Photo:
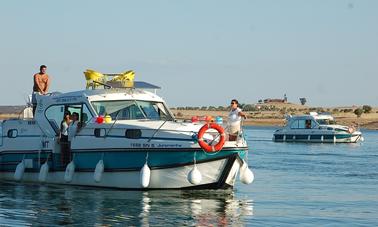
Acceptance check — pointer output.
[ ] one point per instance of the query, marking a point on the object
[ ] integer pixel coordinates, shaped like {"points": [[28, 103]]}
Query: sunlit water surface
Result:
{"points": [[295, 184]]}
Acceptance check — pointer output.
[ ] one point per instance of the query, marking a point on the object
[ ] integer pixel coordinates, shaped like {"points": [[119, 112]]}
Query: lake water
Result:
{"points": [[295, 184]]}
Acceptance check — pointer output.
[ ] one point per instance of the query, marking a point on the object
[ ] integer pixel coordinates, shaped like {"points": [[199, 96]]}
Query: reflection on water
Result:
{"points": [[33, 204], [310, 184]]}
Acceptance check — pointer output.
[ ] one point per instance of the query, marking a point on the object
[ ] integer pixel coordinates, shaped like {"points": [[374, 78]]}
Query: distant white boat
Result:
{"points": [[316, 128]]}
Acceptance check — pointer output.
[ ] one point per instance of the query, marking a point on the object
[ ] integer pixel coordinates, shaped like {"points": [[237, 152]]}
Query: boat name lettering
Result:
{"points": [[68, 99], [45, 144], [148, 145], [31, 122]]}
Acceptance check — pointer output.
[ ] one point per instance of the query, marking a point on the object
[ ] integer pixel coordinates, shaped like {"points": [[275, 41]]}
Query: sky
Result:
{"points": [[201, 52]]}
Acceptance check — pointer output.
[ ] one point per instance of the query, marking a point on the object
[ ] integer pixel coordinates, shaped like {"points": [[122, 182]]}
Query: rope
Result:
{"points": [[210, 153], [147, 157]]}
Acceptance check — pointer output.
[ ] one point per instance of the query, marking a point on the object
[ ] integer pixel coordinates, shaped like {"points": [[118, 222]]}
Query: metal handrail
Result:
{"points": [[111, 127], [149, 140]]}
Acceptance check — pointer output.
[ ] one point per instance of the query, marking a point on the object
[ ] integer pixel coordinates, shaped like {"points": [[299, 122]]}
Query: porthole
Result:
{"points": [[99, 132], [133, 133], [12, 133]]}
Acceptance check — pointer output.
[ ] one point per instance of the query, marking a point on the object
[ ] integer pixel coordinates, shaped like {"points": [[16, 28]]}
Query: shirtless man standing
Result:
{"points": [[41, 81], [41, 84]]}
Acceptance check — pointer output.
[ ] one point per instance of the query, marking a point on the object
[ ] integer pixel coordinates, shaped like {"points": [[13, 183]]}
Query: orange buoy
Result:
{"points": [[207, 147]]}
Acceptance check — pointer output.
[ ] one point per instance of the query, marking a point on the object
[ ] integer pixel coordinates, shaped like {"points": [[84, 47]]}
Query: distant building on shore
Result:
{"points": [[269, 100]]}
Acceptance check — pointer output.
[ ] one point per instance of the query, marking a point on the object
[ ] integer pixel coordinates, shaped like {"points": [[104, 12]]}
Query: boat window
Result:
{"points": [[294, 124], [154, 110], [302, 124], [55, 114], [298, 124], [325, 122], [83, 111], [131, 109], [308, 124], [314, 124]]}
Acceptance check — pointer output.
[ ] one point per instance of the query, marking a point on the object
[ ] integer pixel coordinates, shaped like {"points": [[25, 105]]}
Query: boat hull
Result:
{"points": [[218, 172], [318, 138]]}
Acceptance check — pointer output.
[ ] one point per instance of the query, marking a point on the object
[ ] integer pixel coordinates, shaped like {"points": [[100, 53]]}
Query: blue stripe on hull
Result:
{"points": [[146, 138], [115, 159], [313, 138], [344, 136], [316, 137], [301, 137]]}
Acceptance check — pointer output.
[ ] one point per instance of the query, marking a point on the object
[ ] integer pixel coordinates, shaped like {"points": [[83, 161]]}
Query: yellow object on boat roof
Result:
{"points": [[92, 76], [126, 79]]}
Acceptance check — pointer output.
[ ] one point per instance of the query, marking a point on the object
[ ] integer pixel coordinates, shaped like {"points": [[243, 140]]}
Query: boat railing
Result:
{"points": [[189, 135], [192, 134], [156, 131]]}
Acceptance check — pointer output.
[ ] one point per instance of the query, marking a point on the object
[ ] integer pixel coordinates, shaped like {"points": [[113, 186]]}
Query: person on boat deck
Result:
{"points": [[72, 128], [41, 85], [64, 125], [83, 122], [308, 124], [234, 120]]}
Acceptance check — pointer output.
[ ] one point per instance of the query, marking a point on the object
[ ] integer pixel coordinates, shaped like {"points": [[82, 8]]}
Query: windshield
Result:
{"points": [[132, 109], [325, 122]]}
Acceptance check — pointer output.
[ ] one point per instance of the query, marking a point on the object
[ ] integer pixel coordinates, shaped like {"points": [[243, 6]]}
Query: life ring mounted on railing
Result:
{"points": [[207, 147]]}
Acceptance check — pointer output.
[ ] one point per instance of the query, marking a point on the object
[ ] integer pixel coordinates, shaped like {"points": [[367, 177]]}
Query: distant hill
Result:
{"points": [[11, 109]]}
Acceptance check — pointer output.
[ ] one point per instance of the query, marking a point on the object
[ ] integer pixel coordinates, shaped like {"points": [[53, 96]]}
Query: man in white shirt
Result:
{"points": [[234, 120]]}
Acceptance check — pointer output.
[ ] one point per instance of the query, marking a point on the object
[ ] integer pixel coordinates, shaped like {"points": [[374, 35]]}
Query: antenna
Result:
{"points": [[28, 100]]}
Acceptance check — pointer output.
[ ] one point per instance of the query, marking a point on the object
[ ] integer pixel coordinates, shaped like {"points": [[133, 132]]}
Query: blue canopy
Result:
{"points": [[145, 85]]}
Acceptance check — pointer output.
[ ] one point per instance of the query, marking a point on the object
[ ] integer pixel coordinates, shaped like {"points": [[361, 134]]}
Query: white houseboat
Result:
{"points": [[316, 128], [128, 139]]}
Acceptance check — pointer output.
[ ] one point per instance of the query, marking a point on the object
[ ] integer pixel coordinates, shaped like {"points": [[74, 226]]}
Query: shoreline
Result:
{"points": [[366, 121], [261, 118]]}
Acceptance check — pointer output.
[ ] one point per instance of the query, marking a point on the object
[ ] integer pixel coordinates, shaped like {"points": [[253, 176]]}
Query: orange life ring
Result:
{"points": [[207, 147]]}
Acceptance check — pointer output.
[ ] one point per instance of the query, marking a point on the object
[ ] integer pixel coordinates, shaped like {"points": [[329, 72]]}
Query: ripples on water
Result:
{"points": [[305, 184], [58, 205]]}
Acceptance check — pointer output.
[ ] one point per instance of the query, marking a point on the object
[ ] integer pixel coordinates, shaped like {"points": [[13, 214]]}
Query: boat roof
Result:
{"points": [[323, 116], [314, 115], [145, 85], [102, 95]]}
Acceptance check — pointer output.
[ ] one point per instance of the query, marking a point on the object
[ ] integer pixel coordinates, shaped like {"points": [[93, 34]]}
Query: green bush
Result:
{"points": [[366, 108], [358, 112]]}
